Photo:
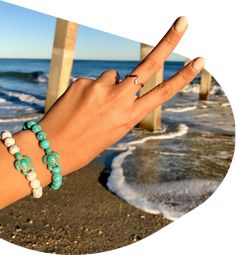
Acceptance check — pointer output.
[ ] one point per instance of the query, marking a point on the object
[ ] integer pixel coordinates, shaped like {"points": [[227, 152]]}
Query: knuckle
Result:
{"points": [[128, 120], [169, 39], [184, 77], [80, 82], [111, 72], [151, 64], [166, 91]]}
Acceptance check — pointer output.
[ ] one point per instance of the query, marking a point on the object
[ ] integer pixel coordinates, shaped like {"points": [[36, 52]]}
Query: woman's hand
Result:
{"points": [[94, 114]]}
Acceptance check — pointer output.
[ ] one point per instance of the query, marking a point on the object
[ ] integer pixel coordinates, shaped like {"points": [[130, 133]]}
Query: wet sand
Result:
{"points": [[83, 217]]}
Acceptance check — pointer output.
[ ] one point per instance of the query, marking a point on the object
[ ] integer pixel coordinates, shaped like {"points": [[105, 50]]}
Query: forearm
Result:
{"points": [[13, 184]]}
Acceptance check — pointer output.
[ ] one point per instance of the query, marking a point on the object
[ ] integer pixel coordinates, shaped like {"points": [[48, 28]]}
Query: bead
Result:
{"points": [[35, 184], [56, 178], [37, 192], [36, 128], [51, 159], [25, 173], [44, 144], [9, 141], [56, 170], [25, 164], [41, 135], [5, 134], [14, 149], [48, 150], [29, 124], [18, 155], [55, 186], [31, 176]]}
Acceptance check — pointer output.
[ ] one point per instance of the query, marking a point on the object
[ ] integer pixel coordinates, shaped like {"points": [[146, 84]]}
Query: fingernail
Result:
{"points": [[181, 24], [198, 63]]}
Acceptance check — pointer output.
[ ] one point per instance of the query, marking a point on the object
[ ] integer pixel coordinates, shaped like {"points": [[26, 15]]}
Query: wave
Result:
{"points": [[20, 119], [23, 97], [195, 88], [2, 100], [117, 183], [225, 104], [180, 109], [33, 76]]}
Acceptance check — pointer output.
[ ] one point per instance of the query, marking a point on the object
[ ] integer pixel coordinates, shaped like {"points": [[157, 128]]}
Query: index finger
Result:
{"points": [[153, 62]]}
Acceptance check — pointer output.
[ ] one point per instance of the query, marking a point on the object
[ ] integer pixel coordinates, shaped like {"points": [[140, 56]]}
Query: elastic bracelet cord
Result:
{"points": [[51, 157], [22, 163]]}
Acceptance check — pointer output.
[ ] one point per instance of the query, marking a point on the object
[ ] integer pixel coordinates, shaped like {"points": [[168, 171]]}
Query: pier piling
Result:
{"points": [[151, 121], [62, 60], [205, 85]]}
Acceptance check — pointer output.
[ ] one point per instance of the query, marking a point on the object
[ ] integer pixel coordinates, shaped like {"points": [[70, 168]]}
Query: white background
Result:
{"points": [[210, 228]]}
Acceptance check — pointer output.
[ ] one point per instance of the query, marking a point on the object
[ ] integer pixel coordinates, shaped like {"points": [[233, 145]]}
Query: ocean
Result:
{"points": [[171, 171]]}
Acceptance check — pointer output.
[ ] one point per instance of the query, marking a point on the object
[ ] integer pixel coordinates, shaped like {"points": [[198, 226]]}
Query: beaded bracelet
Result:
{"points": [[51, 157], [22, 163]]}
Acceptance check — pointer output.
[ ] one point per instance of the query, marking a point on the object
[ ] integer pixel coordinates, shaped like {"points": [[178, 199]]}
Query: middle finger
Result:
{"points": [[155, 59]]}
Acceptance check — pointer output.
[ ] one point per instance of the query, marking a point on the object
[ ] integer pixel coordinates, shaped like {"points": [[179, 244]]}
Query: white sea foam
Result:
{"points": [[195, 88], [191, 88], [24, 97], [14, 107], [171, 199], [182, 130], [225, 104], [173, 153], [2, 100], [180, 109], [139, 197], [20, 119]]}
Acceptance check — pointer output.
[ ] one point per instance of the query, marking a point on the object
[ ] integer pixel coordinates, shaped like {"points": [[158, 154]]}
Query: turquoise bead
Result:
{"points": [[48, 150], [18, 155], [44, 144], [51, 160], [29, 124], [57, 178], [55, 187], [56, 170], [24, 173], [41, 135], [25, 164], [36, 128]]}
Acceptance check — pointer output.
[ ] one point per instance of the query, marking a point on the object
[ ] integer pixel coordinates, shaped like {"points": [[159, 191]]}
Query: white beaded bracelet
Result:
{"points": [[22, 163]]}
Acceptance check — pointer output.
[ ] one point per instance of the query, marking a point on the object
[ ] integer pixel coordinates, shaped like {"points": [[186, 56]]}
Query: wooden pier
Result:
{"points": [[61, 66]]}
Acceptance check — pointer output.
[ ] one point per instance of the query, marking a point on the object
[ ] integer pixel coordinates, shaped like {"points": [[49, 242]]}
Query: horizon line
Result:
{"points": [[83, 59]]}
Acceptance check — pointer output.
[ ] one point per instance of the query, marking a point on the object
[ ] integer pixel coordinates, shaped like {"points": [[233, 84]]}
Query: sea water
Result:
{"points": [[170, 171]]}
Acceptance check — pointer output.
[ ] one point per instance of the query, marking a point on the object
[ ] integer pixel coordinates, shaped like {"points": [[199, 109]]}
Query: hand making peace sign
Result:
{"points": [[94, 114]]}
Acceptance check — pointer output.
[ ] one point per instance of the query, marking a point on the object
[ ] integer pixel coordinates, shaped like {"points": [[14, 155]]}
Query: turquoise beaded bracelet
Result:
{"points": [[51, 157], [22, 163]]}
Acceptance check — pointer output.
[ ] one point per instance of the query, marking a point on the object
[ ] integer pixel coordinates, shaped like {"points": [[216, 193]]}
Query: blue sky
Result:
{"points": [[29, 34]]}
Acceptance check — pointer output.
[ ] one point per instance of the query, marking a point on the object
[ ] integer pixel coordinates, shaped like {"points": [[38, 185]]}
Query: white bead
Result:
{"points": [[31, 176], [5, 134], [9, 141], [35, 184], [14, 149], [38, 192]]}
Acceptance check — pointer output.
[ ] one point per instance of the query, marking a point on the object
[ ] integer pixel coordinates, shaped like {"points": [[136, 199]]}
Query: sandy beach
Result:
{"points": [[83, 217], [171, 172]]}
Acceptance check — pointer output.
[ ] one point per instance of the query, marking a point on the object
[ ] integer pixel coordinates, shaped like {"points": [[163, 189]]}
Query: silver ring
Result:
{"points": [[136, 81]]}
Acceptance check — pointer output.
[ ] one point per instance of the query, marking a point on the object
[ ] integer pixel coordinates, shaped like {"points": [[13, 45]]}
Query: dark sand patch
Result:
{"points": [[83, 217]]}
